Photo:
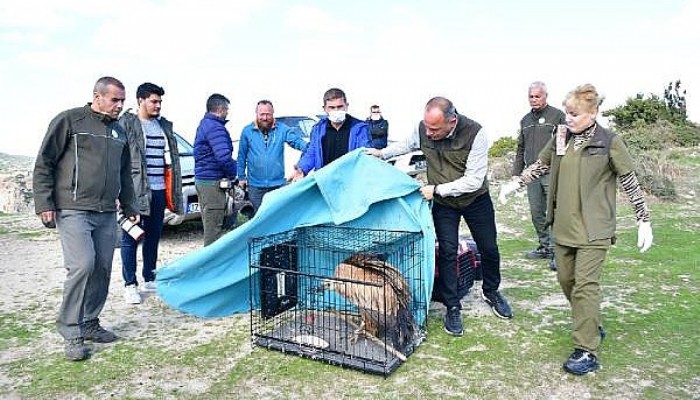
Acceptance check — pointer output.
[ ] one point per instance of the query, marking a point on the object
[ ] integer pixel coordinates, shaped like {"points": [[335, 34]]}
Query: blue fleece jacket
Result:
{"points": [[313, 156], [213, 150], [261, 161]]}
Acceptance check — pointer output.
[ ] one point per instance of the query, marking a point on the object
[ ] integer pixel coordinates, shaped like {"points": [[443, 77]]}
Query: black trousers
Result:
{"points": [[481, 220]]}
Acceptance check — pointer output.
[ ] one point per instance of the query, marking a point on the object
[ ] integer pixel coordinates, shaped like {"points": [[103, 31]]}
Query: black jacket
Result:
{"points": [[83, 164], [536, 128]]}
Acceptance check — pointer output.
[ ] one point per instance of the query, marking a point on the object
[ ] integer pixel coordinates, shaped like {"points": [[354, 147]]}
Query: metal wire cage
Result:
{"points": [[353, 297]]}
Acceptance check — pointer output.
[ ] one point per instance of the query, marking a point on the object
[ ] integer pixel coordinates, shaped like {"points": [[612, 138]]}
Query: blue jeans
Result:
{"points": [[153, 226], [87, 240], [256, 194], [481, 220]]}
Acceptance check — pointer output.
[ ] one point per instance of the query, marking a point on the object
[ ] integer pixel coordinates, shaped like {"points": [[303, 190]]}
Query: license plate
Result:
{"points": [[193, 208]]}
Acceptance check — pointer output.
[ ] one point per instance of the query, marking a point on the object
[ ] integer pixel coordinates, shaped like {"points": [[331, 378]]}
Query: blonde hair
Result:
{"points": [[584, 97]]}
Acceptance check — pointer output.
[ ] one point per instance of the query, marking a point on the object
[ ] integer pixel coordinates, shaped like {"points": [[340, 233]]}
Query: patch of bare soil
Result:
{"points": [[31, 284]]}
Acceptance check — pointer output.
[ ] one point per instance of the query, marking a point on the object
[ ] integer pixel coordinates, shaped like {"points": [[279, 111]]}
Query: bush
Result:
{"points": [[502, 146], [656, 172], [660, 135], [687, 135]]}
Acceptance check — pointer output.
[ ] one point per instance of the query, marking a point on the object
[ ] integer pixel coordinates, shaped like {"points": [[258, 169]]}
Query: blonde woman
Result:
{"points": [[586, 161]]}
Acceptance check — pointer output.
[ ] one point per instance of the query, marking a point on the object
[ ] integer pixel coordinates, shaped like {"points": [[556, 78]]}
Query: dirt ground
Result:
{"points": [[31, 267]]}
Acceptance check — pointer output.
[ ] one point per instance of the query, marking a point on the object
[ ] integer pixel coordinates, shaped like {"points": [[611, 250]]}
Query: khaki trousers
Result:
{"points": [[578, 271], [212, 203]]}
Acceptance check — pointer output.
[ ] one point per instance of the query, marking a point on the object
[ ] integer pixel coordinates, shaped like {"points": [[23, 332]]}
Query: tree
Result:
{"points": [[640, 109], [675, 102], [648, 109]]}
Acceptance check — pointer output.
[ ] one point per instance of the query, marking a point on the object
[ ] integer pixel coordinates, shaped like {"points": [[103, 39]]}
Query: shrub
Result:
{"points": [[687, 135], [642, 136], [656, 172], [660, 135], [502, 146]]}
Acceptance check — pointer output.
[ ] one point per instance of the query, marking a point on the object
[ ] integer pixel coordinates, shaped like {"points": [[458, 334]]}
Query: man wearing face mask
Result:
{"points": [[378, 127], [456, 151], [334, 136]]}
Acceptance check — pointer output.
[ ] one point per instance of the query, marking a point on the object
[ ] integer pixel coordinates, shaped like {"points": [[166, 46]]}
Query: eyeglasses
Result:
{"points": [[376, 112]]}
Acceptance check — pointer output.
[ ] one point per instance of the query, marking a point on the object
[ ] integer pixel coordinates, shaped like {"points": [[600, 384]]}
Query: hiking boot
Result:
{"points": [[149, 287], [581, 362], [75, 349], [538, 253], [453, 321], [498, 304], [131, 294], [96, 333]]}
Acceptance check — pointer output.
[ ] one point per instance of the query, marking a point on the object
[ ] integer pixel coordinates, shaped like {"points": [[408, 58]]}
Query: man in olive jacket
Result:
{"points": [[82, 168], [536, 129], [151, 139]]}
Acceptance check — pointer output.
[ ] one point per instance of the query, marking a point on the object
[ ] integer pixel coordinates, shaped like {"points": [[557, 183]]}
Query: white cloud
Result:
{"points": [[310, 19]]}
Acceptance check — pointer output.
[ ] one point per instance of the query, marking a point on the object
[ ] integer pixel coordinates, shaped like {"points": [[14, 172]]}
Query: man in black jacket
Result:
{"points": [[378, 127], [82, 168], [536, 128]]}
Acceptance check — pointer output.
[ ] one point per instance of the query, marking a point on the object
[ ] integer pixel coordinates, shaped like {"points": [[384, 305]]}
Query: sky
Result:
{"points": [[481, 54]]}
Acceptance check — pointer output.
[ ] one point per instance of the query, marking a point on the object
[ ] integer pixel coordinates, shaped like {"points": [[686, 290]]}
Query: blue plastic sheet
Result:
{"points": [[356, 190]]}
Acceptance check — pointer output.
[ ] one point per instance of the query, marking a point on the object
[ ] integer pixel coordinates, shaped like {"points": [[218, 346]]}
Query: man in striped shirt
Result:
{"points": [[149, 136]]}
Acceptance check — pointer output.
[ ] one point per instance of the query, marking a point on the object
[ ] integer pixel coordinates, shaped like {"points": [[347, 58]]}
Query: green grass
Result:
{"points": [[16, 330], [650, 305]]}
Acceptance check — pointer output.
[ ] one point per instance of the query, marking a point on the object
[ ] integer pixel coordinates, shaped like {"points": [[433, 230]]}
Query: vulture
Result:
{"points": [[380, 293]]}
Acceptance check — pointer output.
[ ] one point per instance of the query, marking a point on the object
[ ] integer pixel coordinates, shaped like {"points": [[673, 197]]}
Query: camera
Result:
{"points": [[226, 184], [134, 230]]}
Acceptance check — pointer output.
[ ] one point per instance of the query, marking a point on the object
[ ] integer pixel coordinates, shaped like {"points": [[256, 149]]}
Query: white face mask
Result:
{"points": [[337, 116], [375, 117]]}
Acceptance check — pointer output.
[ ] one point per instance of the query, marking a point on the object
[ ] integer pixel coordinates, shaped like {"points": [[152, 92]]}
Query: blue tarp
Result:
{"points": [[356, 190]]}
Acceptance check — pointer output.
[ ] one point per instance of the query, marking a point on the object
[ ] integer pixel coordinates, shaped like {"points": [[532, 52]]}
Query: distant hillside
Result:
{"points": [[15, 183], [11, 163]]}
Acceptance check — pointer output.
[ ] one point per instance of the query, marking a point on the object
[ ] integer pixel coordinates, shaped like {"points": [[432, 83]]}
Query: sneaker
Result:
{"points": [[539, 252], [453, 321], [581, 362], [75, 349], [498, 304], [149, 287], [96, 333], [131, 294]]}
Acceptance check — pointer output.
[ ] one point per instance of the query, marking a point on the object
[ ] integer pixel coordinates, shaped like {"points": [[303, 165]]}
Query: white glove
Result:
{"points": [[507, 189], [644, 236]]}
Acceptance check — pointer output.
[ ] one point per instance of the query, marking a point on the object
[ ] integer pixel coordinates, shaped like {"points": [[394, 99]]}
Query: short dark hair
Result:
{"points": [[332, 94], [448, 109], [373, 107], [264, 102], [102, 83], [145, 90], [217, 101]]}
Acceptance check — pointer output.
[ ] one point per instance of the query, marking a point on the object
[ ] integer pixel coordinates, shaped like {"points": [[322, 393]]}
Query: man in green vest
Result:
{"points": [[456, 151]]}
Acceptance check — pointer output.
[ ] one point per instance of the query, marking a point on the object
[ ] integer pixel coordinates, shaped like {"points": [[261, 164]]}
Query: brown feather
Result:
{"points": [[378, 289]]}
